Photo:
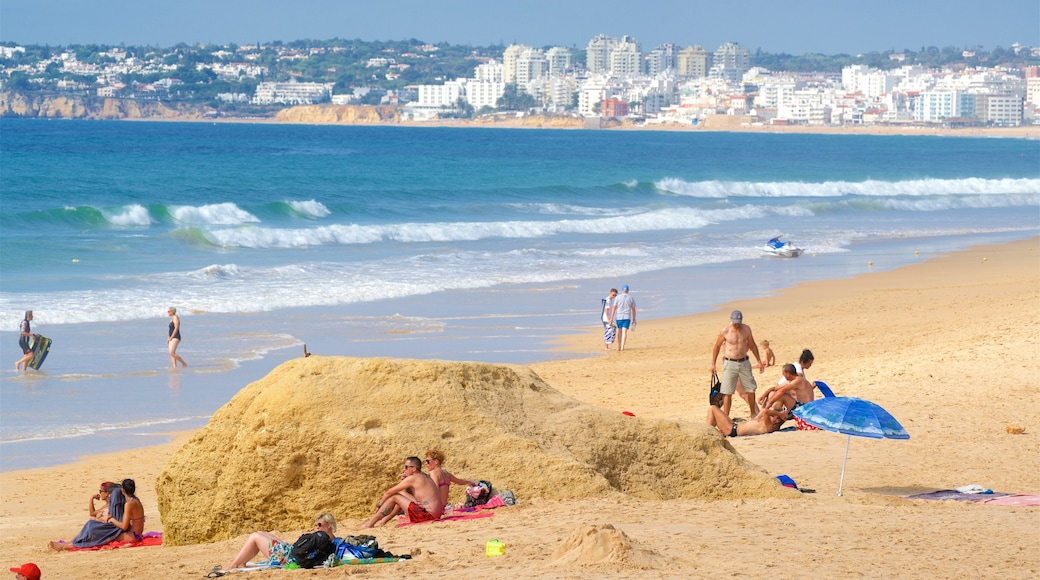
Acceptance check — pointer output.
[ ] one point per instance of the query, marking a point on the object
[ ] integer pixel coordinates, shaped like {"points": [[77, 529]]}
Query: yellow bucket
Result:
{"points": [[495, 548]]}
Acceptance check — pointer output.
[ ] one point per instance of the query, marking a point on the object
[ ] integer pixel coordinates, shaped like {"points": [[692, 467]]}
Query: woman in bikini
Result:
{"points": [[443, 479], [132, 523]]}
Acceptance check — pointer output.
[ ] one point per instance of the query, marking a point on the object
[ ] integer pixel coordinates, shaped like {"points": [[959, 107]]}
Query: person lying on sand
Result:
{"points": [[416, 494], [793, 393], [271, 547], [767, 421]]}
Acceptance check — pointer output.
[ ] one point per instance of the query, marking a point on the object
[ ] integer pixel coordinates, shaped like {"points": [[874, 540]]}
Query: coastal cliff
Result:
{"points": [[339, 115], [14, 104]]}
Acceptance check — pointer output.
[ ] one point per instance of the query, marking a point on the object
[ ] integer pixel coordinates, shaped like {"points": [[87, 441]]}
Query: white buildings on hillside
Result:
{"points": [[292, 93]]}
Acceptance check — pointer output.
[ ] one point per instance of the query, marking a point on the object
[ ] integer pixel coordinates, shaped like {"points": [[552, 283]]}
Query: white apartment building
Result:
{"points": [[626, 59], [592, 94], [731, 60], [530, 65], [1002, 110], [490, 71], [292, 93], [439, 96], [560, 60], [597, 54], [509, 58], [484, 93]]}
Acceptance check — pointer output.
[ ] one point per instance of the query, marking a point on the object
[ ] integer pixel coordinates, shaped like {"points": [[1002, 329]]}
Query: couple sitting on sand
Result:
{"points": [[777, 405], [422, 496], [121, 519]]}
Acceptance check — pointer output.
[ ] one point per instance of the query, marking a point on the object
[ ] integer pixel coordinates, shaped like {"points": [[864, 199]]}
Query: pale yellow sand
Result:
{"points": [[948, 346]]}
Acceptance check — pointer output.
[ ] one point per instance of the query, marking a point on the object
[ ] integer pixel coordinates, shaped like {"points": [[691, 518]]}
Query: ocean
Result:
{"points": [[446, 243]]}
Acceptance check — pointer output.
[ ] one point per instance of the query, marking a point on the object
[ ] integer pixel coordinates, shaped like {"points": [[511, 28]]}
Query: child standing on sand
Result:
{"points": [[767, 356]]}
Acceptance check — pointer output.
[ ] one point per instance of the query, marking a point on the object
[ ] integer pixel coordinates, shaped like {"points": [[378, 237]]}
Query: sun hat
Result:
{"points": [[29, 570]]}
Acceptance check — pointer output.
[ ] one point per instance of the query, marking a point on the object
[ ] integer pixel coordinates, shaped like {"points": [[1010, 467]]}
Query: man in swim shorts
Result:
{"points": [[416, 495], [25, 336], [738, 340], [793, 391], [766, 421], [623, 315]]}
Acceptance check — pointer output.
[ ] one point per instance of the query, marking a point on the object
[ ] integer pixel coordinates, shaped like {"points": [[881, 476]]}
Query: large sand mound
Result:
{"points": [[330, 433]]}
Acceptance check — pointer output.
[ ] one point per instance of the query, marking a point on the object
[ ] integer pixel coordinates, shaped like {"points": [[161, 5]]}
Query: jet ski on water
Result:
{"points": [[777, 247]]}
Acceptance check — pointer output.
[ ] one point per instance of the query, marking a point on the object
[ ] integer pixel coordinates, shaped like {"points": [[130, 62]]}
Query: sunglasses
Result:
{"points": [[428, 461]]}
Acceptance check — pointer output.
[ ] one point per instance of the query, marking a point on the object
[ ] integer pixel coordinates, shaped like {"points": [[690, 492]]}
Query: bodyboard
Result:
{"points": [[40, 347]]}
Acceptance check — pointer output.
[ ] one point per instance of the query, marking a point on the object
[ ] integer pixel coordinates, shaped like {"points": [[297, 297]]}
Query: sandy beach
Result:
{"points": [[946, 345]]}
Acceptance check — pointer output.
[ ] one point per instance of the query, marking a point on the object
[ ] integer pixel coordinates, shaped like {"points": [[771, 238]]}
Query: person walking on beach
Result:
{"points": [[25, 336], [623, 315], [608, 329], [737, 339], [175, 337]]}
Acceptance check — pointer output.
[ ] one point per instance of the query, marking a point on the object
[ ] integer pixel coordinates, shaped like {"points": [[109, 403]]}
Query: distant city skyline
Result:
{"points": [[795, 27]]}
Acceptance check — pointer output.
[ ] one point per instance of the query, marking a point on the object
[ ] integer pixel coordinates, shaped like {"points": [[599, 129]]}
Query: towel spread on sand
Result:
{"points": [[957, 495], [1017, 499], [453, 517], [149, 539]]}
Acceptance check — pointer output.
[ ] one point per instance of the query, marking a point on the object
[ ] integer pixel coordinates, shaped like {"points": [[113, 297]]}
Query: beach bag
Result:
{"points": [[311, 550], [608, 334], [478, 494], [715, 394]]}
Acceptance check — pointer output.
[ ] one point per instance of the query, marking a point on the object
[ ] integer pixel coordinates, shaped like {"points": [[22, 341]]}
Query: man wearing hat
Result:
{"points": [[27, 571], [623, 315], [738, 341]]}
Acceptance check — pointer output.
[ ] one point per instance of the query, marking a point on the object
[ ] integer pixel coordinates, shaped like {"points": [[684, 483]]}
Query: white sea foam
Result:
{"points": [[130, 215], [310, 208], [220, 214], [724, 189], [70, 431]]}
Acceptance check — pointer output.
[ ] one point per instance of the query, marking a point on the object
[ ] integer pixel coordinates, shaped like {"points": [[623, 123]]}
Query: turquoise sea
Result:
{"points": [[461, 244]]}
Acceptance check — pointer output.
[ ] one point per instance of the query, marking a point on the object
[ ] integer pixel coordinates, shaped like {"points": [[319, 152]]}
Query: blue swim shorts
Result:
{"points": [[623, 323]]}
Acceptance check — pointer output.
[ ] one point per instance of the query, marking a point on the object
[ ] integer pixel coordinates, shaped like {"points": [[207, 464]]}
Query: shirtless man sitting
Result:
{"points": [[416, 495], [793, 392], [767, 421]]}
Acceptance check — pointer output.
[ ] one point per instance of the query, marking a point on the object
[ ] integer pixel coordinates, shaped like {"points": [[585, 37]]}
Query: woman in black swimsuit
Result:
{"points": [[175, 337]]}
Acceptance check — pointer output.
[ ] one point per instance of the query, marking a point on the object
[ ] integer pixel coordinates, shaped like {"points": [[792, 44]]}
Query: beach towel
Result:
{"points": [[1016, 499], [453, 517], [362, 561], [148, 539], [95, 533], [953, 494]]}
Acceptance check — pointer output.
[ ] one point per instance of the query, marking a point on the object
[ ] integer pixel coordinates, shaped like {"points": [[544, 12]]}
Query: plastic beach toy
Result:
{"points": [[495, 548]]}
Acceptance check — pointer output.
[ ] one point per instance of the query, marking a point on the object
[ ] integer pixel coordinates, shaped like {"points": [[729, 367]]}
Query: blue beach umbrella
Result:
{"points": [[851, 416]]}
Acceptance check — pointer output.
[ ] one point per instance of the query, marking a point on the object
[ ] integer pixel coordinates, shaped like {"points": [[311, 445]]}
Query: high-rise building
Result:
{"points": [[530, 65], [732, 56], [693, 61], [597, 54], [509, 57], [661, 59], [559, 59], [626, 59]]}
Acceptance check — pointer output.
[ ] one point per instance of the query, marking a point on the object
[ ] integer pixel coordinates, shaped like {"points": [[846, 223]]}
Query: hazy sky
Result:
{"points": [[792, 26]]}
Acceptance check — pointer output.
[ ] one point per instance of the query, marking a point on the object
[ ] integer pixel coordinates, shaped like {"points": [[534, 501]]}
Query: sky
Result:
{"points": [[777, 26]]}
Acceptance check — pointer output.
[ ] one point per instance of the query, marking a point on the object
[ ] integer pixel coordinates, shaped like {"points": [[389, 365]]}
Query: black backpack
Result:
{"points": [[312, 549], [485, 495]]}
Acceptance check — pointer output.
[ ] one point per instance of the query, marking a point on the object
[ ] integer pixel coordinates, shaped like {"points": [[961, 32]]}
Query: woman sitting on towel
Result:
{"points": [[443, 479], [272, 548]]}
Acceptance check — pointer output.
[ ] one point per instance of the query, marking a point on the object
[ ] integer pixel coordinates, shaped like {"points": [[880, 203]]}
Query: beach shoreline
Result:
{"points": [[924, 340], [723, 123]]}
